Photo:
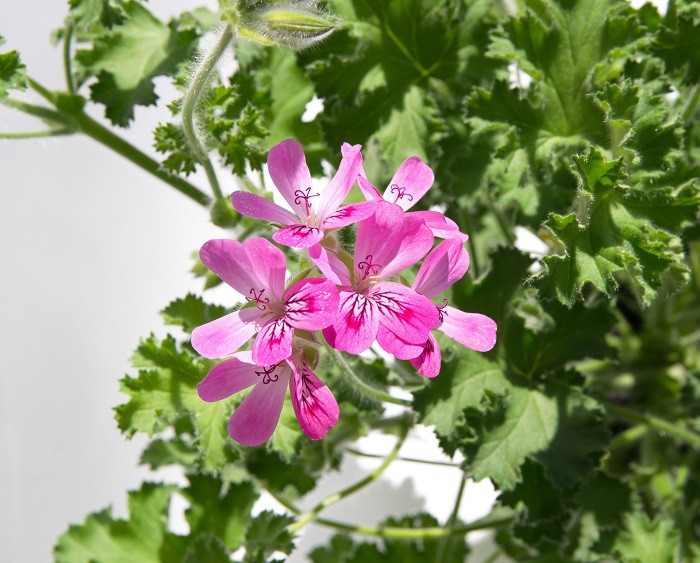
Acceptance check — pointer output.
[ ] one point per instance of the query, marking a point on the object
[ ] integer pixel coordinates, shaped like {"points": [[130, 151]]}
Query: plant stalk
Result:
{"points": [[654, 422]]}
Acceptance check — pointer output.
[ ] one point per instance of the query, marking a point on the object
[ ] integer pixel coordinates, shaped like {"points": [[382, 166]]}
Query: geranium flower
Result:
{"points": [[254, 421], [410, 183], [256, 269], [314, 212], [387, 243], [445, 265]]}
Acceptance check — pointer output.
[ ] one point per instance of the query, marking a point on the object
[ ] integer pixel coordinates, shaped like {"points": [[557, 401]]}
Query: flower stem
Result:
{"points": [[337, 497], [445, 542], [191, 100], [361, 385], [407, 459], [67, 68], [655, 422], [35, 134]]}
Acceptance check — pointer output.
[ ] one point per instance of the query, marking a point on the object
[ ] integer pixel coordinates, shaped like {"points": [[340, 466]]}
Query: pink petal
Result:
{"points": [[349, 214], [472, 330], [229, 261], [268, 263], [315, 406], [298, 236], [356, 326], [330, 265], [404, 312], [446, 264], [441, 226], [254, 421], [378, 239], [311, 304], [370, 192], [339, 186], [415, 241], [429, 362], [288, 170], [252, 205], [273, 343], [409, 184], [396, 346], [345, 150], [224, 336], [227, 378]]}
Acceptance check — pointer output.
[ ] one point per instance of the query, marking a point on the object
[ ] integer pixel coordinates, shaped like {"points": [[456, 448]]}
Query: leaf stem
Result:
{"points": [[304, 519], [36, 134], [67, 67], [445, 542], [47, 114], [407, 459], [190, 102], [654, 422]]}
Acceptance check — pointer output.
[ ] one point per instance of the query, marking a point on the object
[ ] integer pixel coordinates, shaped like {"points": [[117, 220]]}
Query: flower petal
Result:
{"points": [[404, 312], [472, 330], [330, 265], [229, 261], [273, 343], [257, 207], [288, 170], [429, 362], [339, 186], [446, 264], [298, 236], [378, 238], [314, 405], [311, 304], [224, 336], [441, 226], [254, 421], [370, 192], [227, 378], [415, 241], [349, 214], [356, 326], [268, 263], [413, 178], [397, 346]]}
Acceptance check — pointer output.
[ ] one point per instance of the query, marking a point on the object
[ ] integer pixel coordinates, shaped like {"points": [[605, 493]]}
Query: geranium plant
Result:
{"points": [[570, 378]]}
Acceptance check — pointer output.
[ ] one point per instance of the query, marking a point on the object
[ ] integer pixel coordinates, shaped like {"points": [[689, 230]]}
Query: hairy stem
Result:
{"points": [[655, 422], [67, 67], [194, 92], [407, 459]]}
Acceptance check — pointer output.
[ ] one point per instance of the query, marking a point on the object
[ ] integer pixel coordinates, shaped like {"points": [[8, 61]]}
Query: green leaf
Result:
{"points": [[647, 540], [678, 42], [191, 311], [160, 453], [207, 549], [91, 17], [267, 533], [11, 72]]}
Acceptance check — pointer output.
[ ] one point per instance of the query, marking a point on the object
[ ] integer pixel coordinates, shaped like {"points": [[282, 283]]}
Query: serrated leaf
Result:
{"points": [[191, 311], [11, 72], [267, 533], [160, 453], [207, 549], [647, 540]]}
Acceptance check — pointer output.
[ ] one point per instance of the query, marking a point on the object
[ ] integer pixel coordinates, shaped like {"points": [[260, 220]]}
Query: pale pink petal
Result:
{"points": [[227, 378], [396, 346], [224, 336], [229, 261], [339, 186], [330, 265], [288, 170], [349, 214], [298, 236], [415, 241], [413, 178], [254, 421], [429, 362], [257, 207], [269, 265], [378, 240], [345, 149], [370, 192], [403, 311], [311, 304], [314, 405], [356, 326], [441, 226], [472, 330], [446, 264], [273, 343]]}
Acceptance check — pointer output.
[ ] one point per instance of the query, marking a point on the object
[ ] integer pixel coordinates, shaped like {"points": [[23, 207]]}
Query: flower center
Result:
{"points": [[268, 374], [441, 309], [304, 195], [368, 267], [400, 193], [260, 301]]}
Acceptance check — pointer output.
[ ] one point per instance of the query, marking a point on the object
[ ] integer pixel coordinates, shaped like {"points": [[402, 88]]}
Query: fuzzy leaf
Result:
{"points": [[11, 72]]}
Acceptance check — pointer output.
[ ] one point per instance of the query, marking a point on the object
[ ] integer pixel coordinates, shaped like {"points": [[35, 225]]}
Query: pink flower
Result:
{"points": [[254, 421], [314, 212], [410, 183], [387, 243], [445, 265], [256, 269]]}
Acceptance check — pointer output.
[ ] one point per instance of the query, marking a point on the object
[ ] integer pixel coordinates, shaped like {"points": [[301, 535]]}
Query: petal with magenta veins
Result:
{"points": [[255, 420], [337, 189], [445, 265], [397, 346], [311, 304], [227, 378], [314, 405], [288, 170], [257, 207], [349, 214], [404, 312], [356, 326], [430, 360], [472, 330], [224, 336], [413, 178], [415, 241], [330, 265], [273, 343], [298, 236], [441, 226]]}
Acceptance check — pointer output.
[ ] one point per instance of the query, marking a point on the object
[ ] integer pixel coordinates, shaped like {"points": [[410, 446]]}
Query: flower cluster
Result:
{"points": [[354, 304]]}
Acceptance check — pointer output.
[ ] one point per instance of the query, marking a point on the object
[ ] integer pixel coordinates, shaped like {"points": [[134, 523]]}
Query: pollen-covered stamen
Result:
{"points": [[441, 308], [305, 195], [368, 267], [400, 193], [260, 301], [268, 374]]}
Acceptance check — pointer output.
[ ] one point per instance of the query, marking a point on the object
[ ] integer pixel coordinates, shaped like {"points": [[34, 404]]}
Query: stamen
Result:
{"points": [[305, 195], [400, 193], [441, 309], [260, 301], [369, 268], [268, 374]]}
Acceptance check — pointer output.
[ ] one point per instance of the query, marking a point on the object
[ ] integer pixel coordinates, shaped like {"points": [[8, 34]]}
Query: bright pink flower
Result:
{"points": [[387, 243], [256, 269], [444, 266], [314, 212], [410, 183], [254, 421]]}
